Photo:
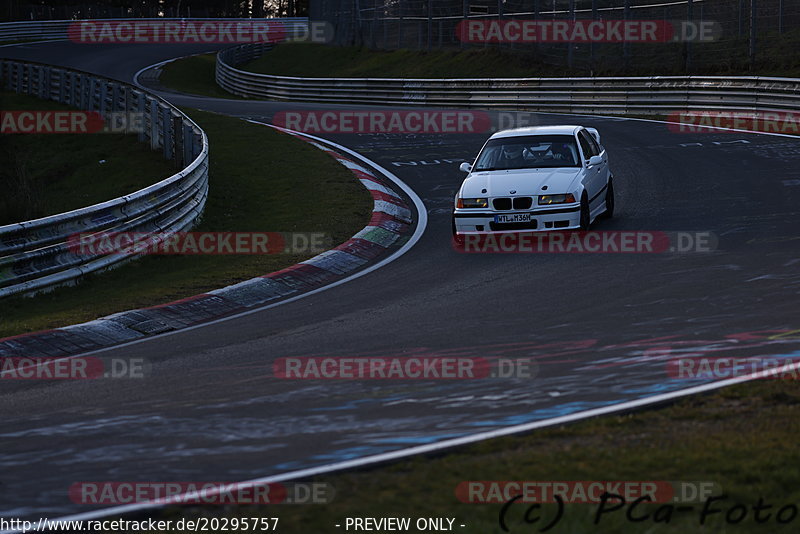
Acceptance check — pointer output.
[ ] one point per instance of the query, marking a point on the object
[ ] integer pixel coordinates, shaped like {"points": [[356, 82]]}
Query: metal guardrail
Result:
{"points": [[629, 95], [35, 254], [58, 29]]}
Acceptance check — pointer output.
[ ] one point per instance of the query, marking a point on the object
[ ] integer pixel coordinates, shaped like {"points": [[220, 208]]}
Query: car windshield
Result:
{"points": [[528, 152]]}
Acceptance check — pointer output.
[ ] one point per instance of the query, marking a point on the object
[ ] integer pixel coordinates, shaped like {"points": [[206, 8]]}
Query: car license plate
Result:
{"points": [[513, 218]]}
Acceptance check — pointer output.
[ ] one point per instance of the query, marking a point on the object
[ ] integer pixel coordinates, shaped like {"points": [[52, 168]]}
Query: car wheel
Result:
{"points": [[585, 215], [609, 213]]}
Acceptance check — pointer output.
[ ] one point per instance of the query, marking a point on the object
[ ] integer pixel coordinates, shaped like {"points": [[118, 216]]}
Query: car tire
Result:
{"points": [[586, 216], [609, 213]]}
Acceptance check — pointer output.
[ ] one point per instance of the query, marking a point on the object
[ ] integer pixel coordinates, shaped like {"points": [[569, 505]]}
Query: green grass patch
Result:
{"points": [[260, 180], [317, 60], [193, 75], [729, 57], [743, 439], [45, 174], [308, 59]]}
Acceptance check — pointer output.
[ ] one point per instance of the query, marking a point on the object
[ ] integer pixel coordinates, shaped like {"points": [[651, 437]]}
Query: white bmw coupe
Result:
{"points": [[535, 179]]}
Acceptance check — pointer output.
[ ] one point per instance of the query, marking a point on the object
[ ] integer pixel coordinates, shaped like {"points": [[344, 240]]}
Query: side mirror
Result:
{"points": [[595, 160], [465, 167]]}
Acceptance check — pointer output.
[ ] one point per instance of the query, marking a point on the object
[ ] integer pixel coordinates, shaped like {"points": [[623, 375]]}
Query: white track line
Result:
{"points": [[432, 447]]}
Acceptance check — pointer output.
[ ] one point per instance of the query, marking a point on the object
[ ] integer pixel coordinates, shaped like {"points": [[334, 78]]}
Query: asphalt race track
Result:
{"points": [[599, 325]]}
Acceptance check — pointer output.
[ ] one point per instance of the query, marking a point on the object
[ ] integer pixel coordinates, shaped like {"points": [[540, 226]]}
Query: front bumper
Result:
{"points": [[566, 217]]}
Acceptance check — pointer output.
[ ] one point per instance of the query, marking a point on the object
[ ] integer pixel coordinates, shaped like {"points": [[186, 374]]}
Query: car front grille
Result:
{"points": [[502, 203], [519, 203], [523, 203]]}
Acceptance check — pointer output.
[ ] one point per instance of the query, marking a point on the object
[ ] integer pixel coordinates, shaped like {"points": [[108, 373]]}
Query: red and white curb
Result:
{"points": [[389, 226]]}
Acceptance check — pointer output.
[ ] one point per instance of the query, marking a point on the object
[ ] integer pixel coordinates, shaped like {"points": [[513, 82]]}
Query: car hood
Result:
{"points": [[523, 182]]}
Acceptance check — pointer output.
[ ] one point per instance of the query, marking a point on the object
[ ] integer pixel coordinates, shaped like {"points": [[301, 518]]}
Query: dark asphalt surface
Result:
{"points": [[210, 409]]}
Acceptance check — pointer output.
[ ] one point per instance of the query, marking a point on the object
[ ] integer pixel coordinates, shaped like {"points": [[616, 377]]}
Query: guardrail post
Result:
{"points": [[43, 83], [188, 149], [62, 85], [115, 97], [5, 72], [140, 108], [90, 94], [33, 80], [167, 135], [197, 141], [84, 91], [127, 105], [153, 124], [19, 87], [178, 136], [103, 96], [71, 89]]}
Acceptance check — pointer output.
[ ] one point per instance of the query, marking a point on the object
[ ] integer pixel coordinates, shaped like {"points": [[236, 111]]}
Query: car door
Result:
{"points": [[601, 151], [595, 177]]}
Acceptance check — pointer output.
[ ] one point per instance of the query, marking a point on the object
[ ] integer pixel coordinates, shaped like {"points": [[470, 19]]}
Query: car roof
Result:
{"points": [[567, 129]]}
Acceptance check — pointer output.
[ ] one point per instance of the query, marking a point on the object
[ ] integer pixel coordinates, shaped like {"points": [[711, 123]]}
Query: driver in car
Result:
{"points": [[562, 153], [513, 157]]}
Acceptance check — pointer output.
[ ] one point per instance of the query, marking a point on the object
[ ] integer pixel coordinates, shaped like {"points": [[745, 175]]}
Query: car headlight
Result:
{"points": [[556, 199], [472, 203]]}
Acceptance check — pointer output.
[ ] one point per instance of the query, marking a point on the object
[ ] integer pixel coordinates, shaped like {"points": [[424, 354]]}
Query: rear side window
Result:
{"points": [[593, 143], [586, 146]]}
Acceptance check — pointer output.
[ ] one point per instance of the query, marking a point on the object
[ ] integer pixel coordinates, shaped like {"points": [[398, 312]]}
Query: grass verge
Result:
{"points": [[194, 75], [317, 60], [45, 174], [260, 180], [742, 439]]}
